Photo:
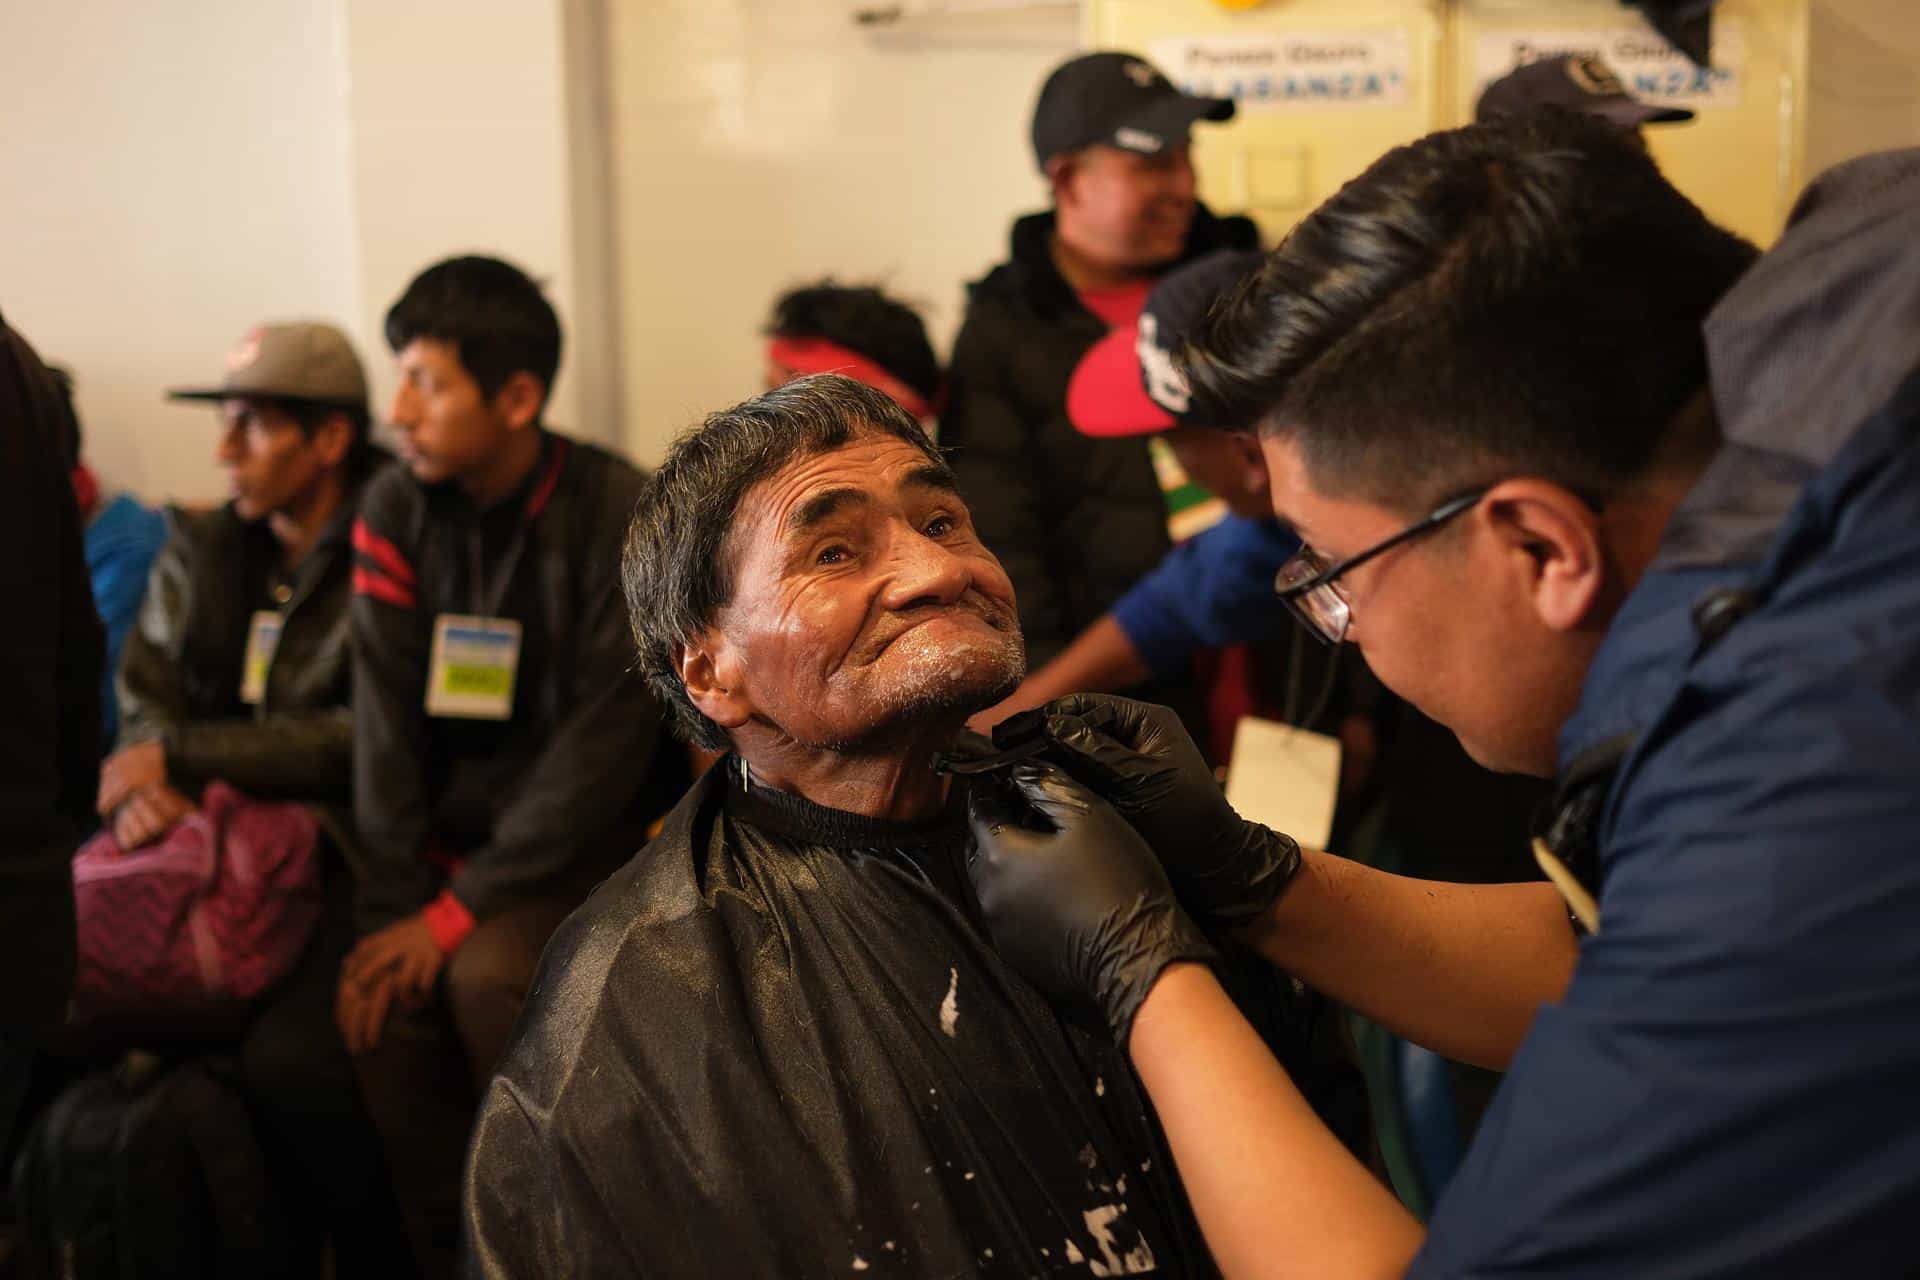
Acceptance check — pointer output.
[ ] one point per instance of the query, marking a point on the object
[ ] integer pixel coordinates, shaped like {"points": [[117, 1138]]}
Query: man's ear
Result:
{"points": [[1552, 540], [333, 439], [520, 399], [1246, 447], [713, 674]]}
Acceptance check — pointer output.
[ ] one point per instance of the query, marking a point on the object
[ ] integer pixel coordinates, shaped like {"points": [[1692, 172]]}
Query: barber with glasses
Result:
{"points": [[1626, 505]]}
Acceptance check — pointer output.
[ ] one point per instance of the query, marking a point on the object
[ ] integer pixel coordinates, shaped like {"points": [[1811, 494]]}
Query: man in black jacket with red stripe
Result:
{"points": [[506, 756]]}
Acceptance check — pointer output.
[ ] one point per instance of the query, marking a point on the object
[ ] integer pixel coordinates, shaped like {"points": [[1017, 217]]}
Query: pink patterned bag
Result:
{"points": [[205, 920]]}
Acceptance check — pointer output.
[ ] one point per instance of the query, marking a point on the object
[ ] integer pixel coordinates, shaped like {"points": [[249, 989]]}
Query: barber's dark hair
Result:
{"points": [[490, 312], [861, 318], [308, 415], [1521, 295], [678, 566]]}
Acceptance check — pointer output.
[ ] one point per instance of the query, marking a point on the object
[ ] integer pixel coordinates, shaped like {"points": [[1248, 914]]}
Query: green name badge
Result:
{"points": [[471, 674], [263, 637]]}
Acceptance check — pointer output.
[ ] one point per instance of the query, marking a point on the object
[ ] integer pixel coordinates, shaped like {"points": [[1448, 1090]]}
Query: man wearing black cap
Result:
{"points": [[1571, 82], [238, 670], [1077, 521]]}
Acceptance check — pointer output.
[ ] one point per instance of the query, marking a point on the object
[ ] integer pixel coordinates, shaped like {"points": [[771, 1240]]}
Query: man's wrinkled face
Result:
{"points": [[1129, 210], [864, 604], [271, 464]]}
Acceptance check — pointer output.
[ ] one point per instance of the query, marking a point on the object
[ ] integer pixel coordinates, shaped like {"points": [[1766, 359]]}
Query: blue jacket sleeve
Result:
{"points": [[1216, 588], [122, 542], [1728, 1088]]}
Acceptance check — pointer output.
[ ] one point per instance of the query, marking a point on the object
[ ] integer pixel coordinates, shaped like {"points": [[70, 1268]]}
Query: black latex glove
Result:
{"points": [[1138, 756], [1073, 897]]}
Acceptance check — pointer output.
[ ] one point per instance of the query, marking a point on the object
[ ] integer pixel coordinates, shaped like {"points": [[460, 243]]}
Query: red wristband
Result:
{"points": [[448, 920]]}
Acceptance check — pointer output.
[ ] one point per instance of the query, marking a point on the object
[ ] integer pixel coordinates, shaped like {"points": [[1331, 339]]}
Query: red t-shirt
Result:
{"points": [[1117, 307]]}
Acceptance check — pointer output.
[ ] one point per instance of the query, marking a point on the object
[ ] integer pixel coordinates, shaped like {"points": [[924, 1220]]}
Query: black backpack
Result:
{"points": [[147, 1169]]}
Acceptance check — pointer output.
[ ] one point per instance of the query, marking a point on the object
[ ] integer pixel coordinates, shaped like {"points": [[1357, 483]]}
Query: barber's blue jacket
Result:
{"points": [[1216, 588], [1731, 1086]]}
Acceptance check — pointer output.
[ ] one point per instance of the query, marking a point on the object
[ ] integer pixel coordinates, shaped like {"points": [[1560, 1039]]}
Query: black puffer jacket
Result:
{"points": [[1076, 521]]}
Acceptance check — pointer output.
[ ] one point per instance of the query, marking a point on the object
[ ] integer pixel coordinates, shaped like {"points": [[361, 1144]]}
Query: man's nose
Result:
{"points": [[923, 572], [404, 407], [1182, 181], [227, 446]]}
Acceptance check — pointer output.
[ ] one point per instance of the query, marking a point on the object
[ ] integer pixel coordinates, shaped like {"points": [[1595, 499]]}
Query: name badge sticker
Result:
{"points": [[473, 665], [263, 637], [1287, 778]]}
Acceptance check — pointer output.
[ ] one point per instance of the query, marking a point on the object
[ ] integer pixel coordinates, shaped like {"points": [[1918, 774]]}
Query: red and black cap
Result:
{"points": [[1127, 383], [1118, 99]]}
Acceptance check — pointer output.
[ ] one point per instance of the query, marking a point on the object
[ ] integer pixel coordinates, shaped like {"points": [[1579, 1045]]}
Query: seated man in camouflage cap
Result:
{"points": [[238, 671]]}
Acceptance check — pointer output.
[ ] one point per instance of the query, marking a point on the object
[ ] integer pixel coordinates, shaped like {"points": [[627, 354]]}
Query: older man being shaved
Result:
{"points": [[778, 1043]]}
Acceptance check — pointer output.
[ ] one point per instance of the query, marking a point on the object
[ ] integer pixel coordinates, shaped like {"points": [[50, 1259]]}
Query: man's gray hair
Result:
{"points": [[678, 567]]}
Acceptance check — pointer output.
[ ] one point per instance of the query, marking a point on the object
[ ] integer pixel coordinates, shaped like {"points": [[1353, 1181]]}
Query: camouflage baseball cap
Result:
{"points": [[292, 360]]}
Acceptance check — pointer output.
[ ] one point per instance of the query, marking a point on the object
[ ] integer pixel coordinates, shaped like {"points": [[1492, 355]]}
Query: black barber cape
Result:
{"points": [[778, 1043]]}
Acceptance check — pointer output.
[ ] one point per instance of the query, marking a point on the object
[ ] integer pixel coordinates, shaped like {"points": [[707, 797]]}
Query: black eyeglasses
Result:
{"points": [[1305, 583]]}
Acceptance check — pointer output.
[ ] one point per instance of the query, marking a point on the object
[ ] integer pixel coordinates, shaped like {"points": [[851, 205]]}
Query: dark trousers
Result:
{"points": [[423, 1081], [321, 1148], [319, 1140]]}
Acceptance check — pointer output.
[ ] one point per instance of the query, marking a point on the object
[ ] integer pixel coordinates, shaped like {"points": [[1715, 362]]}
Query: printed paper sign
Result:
{"points": [[1649, 68], [1280, 71]]}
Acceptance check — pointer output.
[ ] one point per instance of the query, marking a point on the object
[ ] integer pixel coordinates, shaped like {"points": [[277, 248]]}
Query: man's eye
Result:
{"points": [[941, 526], [835, 554]]}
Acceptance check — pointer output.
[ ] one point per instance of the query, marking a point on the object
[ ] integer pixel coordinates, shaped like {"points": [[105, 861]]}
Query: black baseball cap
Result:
{"points": [[1127, 383], [1572, 82], [1118, 99]]}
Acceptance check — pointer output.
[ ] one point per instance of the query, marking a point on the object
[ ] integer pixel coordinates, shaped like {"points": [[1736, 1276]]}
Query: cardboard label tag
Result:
{"points": [[1285, 777], [471, 673], [263, 637]]}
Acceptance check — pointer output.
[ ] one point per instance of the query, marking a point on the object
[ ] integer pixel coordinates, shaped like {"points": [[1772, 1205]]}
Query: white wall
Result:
{"points": [[172, 173], [169, 175], [458, 142], [758, 144], [1863, 79]]}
